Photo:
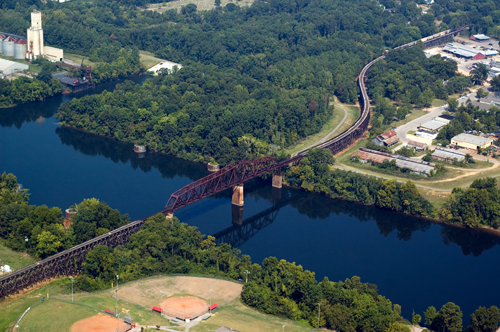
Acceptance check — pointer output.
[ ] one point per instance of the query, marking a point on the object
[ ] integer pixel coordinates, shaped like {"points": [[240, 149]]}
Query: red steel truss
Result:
{"points": [[232, 175]]}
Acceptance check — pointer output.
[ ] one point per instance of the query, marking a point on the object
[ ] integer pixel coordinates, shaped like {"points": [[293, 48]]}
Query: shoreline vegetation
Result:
{"points": [[435, 218]]}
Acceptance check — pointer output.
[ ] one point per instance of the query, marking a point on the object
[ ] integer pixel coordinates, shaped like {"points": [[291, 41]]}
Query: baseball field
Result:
{"points": [[135, 300]]}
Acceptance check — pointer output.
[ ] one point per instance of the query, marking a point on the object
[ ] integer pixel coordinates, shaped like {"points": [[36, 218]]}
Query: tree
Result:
{"points": [[217, 3], [48, 244], [452, 104], [397, 327], [479, 74], [448, 318], [416, 319], [484, 320], [495, 83], [478, 126], [430, 314], [481, 93]]}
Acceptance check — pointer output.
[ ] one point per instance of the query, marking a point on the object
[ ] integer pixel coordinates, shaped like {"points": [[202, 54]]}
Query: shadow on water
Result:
{"points": [[95, 145], [471, 242], [39, 111]]}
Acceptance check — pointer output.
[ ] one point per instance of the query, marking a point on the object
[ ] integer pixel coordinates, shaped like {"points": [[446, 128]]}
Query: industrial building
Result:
{"points": [[8, 67], [388, 138], [164, 65], [468, 52], [471, 142], [35, 35], [419, 167], [480, 37], [52, 53], [448, 155], [426, 134], [436, 123], [418, 146]]}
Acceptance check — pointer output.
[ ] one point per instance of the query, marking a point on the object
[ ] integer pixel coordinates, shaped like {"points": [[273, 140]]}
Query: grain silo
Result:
{"points": [[2, 37], [8, 46], [20, 49]]}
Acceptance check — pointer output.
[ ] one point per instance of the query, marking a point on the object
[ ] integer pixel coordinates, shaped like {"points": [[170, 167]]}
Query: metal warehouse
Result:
{"points": [[468, 52], [9, 67], [448, 155], [471, 141]]}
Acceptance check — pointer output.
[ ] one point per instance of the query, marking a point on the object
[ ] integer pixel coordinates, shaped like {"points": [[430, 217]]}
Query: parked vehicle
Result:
{"points": [[76, 81], [490, 44]]}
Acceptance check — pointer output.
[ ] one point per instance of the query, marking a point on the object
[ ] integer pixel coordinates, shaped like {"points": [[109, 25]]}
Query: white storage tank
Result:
{"points": [[20, 49], [2, 37], [8, 46]]}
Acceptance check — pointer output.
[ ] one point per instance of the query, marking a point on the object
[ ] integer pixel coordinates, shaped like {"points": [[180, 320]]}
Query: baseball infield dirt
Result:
{"points": [[184, 307], [99, 323]]}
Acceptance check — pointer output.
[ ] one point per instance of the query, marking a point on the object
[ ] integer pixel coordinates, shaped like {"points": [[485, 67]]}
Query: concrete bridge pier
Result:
{"points": [[237, 198], [277, 181], [237, 214]]}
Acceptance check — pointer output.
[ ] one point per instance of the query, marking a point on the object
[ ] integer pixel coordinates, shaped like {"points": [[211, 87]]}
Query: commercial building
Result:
{"points": [[480, 37], [419, 167], [9, 67], [426, 134], [35, 35], [52, 53], [418, 146], [468, 52], [448, 155], [388, 138], [471, 142], [434, 125]]}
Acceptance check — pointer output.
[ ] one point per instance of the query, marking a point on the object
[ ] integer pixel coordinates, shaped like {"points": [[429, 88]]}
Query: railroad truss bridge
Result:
{"points": [[232, 176]]}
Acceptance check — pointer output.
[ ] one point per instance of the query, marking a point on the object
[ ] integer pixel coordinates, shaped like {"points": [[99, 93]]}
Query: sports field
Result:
{"points": [[60, 314]]}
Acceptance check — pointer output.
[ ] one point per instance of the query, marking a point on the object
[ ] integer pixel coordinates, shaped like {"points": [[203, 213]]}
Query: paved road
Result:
{"points": [[323, 140], [412, 125]]}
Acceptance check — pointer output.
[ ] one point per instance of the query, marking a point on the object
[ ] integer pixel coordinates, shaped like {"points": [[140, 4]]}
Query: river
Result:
{"points": [[415, 263]]}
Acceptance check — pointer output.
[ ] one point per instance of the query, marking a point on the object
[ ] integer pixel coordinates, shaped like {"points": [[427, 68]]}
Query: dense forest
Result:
{"points": [[39, 230], [300, 52]]}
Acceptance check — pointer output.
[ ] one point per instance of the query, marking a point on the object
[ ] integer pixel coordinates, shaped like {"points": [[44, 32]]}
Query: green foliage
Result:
{"points": [[39, 230], [198, 114], [430, 315], [484, 320], [448, 318], [478, 205], [416, 319], [356, 187], [408, 77], [480, 74], [495, 83], [24, 90], [405, 151]]}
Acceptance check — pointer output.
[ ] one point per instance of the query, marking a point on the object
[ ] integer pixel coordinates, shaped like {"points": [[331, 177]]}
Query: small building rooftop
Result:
{"points": [[481, 37]]}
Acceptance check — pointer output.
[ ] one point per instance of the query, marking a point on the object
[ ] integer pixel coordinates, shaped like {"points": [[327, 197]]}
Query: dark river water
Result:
{"points": [[415, 263]]}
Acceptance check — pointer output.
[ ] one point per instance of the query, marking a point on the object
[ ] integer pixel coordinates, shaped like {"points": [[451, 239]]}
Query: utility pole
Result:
{"points": [[116, 302], [283, 328], [246, 273], [72, 288], [210, 294]]}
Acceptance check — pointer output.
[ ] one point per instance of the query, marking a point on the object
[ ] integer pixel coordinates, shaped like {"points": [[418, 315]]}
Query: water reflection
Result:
{"points": [[94, 145], [39, 111]]}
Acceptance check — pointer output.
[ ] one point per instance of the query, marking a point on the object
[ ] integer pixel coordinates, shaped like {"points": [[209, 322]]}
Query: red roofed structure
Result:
{"points": [[157, 309], [213, 307], [388, 138]]}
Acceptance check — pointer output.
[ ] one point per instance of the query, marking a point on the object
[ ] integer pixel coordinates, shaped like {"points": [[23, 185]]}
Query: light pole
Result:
{"points": [[283, 328], [319, 312], [72, 288], [210, 294], [116, 302], [161, 305], [246, 273]]}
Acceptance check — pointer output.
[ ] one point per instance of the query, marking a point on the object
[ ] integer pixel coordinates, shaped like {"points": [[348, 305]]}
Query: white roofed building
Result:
{"points": [[8, 67]]}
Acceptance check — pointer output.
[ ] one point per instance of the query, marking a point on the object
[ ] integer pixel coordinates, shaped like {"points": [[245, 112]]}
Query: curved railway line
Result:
{"points": [[69, 261]]}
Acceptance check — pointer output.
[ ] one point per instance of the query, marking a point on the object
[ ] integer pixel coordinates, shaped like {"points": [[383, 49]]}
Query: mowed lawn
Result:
{"points": [[239, 317], [14, 259], [54, 315]]}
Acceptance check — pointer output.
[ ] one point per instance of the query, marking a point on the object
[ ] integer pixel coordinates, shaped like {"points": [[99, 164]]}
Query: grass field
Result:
{"points": [[239, 317], [148, 59], [76, 58], [338, 115], [200, 4], [438, 102], [58, 313], [14, 259]]}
